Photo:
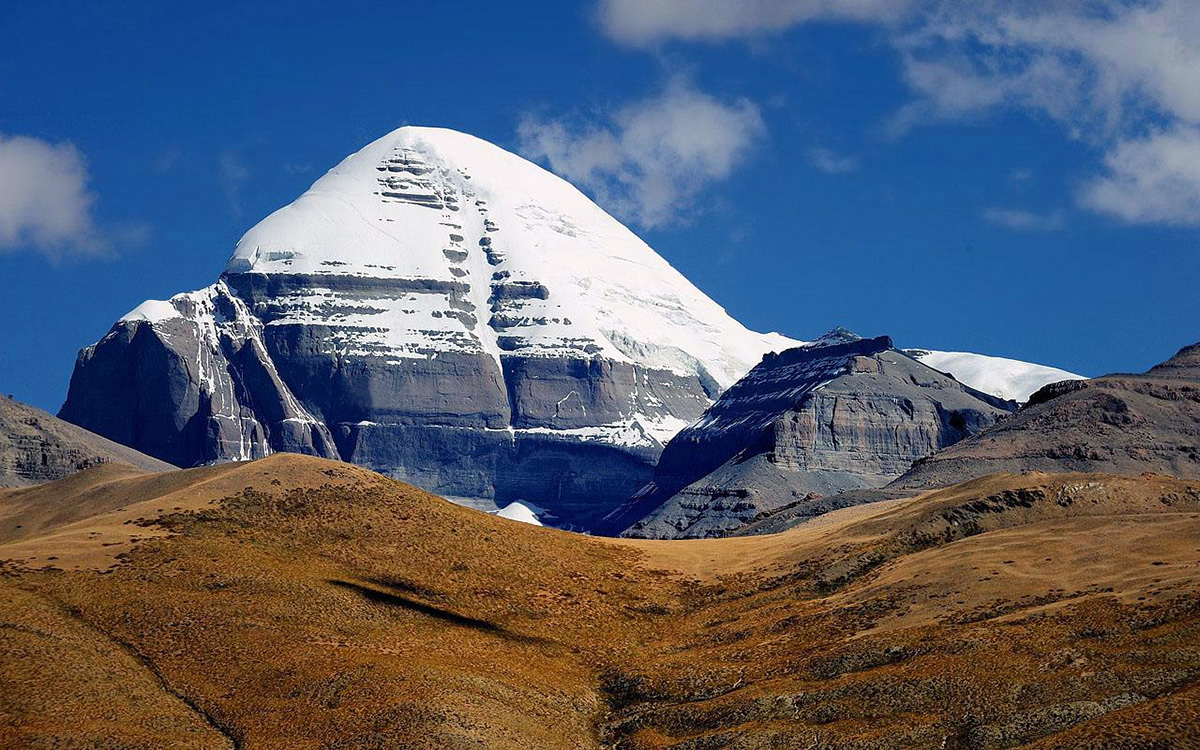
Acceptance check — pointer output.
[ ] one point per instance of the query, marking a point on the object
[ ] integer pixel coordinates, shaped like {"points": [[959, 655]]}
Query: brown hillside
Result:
{"points": [[299, 603]]}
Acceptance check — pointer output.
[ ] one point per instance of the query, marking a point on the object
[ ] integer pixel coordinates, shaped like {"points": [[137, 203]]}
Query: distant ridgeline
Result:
{"points": [[36, 447]]}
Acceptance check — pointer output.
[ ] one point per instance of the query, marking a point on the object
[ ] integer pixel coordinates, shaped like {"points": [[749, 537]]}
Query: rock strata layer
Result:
{"points": [[36, 447]]}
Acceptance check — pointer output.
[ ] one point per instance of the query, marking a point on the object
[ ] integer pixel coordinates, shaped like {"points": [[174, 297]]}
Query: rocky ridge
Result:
{"points": [[36, 447], [1119, 424], [842, 413]]}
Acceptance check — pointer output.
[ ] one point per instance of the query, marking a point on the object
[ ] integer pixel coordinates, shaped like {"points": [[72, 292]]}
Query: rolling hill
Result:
{"points": [[301, 603]]}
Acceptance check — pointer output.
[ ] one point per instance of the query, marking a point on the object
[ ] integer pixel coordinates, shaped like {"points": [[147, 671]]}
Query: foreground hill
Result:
{"points": [[1123, 424], [37, 447], [295, 602]]}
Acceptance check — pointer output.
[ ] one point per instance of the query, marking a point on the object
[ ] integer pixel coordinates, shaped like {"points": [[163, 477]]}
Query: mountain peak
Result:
{"points": [[1185, 364], [432, 299], [837, 335], [522, 260]]}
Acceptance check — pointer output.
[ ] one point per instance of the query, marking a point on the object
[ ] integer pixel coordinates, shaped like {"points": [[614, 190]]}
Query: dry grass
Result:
{"points": [[299, 603]]}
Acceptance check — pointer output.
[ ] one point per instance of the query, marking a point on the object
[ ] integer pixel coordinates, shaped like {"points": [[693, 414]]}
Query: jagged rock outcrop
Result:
{"points": [[1117, 424], [840, 414], [36, 447], [191, 382]]}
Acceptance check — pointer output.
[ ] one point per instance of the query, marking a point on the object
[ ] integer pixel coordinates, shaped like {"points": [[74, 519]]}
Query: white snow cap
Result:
{"points": [[435, 204], [1006, 378], [517, 511], [152, 311]]}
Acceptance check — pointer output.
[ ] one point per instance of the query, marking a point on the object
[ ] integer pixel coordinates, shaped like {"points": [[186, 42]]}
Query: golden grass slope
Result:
{"points": [[299, 603]]}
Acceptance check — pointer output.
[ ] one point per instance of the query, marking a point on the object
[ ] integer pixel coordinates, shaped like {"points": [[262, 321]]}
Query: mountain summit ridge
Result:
{"points": [[557, 273], [843, 413]]}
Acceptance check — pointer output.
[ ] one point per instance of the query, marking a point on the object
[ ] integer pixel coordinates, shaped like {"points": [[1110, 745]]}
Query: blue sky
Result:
{"points": [[1019, 179]]}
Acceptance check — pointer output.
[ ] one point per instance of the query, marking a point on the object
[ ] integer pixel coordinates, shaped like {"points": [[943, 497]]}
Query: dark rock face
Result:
{"points": [[841, 414], [1117, 424], [192, 389], [220, 378], [36, 447]]}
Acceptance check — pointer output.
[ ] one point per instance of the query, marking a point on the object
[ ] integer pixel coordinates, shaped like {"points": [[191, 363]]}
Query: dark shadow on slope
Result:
{"points": [[396, 600], [405, 587]]}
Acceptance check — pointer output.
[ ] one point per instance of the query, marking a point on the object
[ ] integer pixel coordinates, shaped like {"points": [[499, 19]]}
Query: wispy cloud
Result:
{"points": [[45, 202], [1155, 179], [233, 174], [1119, 75], [1025, 221], [647, 22], [650, 160], [831, 162]]}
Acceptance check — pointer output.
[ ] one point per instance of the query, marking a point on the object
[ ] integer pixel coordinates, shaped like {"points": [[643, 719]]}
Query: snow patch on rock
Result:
{"points": [[518, 511], [1006, 378]]}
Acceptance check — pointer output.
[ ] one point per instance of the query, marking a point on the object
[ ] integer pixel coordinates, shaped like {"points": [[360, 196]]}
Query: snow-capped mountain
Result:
{"points": [[438, 309], [483, 252]]}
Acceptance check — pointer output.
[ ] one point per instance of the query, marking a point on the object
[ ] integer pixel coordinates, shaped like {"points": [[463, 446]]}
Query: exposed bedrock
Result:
{"points": [[807, 423], [575, 482], [225, 377], [189, 391], [36, 447]]}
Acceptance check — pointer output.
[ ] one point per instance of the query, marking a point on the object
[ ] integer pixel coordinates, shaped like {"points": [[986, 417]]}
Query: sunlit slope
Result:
{"points": [[294, 602]]}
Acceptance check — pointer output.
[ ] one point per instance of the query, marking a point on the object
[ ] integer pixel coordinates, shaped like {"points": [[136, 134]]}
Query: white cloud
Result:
{"points": [[645, 22], [45, 202], [650, 160], [1024, 221], [1100, 68], [1120, 75], [233, 175], [831, 162], [1155, 179]]}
